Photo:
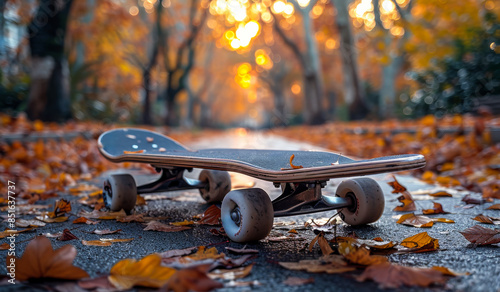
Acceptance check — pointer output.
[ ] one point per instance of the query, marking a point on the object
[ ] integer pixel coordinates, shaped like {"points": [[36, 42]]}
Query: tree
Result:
{"points": [[310, 65], [49, 92]]}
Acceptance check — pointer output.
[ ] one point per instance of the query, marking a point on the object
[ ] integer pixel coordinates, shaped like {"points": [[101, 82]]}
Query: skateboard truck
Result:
{"points": [[171, 179], [304, 198]]}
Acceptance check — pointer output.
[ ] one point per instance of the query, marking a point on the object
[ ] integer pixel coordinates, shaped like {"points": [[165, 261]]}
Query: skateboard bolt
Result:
{"points": [[236, 216]]}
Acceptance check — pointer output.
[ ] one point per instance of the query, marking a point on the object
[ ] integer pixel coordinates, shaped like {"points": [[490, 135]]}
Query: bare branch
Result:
{"points": [[295, 49]]}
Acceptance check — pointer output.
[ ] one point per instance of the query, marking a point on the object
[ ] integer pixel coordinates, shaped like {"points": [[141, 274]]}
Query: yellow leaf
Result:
{"points": [[146, 272], [359, 255], [95, 243], [421, 241], [183, 223]]}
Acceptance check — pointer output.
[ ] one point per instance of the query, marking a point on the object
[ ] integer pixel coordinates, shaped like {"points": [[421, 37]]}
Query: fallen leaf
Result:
{"points": [[105, 231], [481, 236], [102, 215], [4, 246], [66, 235], [96, 243], [494, 207], [291, 163], [95, 283], [470, 200], [177, 252], [29, 223], [408, 204], [112, 240], [397, 187], [331, 264], [487, 219], [437, 209], [61, 207], [323, 244], [202, 254], [231, 274], [211, 216], [146, 272], [389, 275], [183, 223], [420, 242], [192, 279], [359, 255], [441, 194], [81, 220], [158, 226], [47, 219], [296, 281], [131, 218], [448, 272], [40, 260], [415, 220], [243, 250]]}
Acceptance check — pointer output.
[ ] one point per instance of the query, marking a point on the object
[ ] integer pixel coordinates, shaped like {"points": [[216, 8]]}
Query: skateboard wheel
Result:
{"points": [[368, 201], [247, 215], [218, 184], [120, 192]]}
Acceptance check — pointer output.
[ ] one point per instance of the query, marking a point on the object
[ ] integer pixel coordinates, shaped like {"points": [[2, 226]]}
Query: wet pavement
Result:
{"points": [[483, 263]]}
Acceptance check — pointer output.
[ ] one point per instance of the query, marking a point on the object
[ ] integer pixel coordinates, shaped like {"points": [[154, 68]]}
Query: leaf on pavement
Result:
{"points": [[389, 275], [61, 207], [102, 215], [112, 240], [81, 220], [192, 279], [231, 274], [177, 252], [66, 235], [325, 247], [359, 255], [420, 242], [105, 231], [29, 223], [40, 260], [296, 281], [182, 223], [448, 272], [202, 254], [441, 194], [243, 250], [420, 221], [470, 200], [331, 264], [96, 243], [47, 219], [408, 204], [487, 219], [131, 218], [158, 226], [211, 216], [481, 236], [396, 186], [437, 209], [494, 207], [146, 272]]}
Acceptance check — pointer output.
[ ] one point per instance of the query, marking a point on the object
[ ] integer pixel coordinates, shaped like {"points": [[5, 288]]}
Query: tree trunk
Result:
{"points": [[49, 92], [353, 93]]}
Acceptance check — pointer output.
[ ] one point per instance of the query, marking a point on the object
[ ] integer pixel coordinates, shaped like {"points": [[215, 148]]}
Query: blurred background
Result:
{"points": [[248, 63]]}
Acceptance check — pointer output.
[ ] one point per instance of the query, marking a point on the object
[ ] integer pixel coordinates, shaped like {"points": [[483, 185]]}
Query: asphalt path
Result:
{"points": [[482, 262]]}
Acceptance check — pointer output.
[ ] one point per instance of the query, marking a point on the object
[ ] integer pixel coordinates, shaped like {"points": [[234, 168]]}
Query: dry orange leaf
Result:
{"points": [[202, 254], [291, 163], [212, 216], [47, 219], [389, 275], [437, 209], [158, 226], [96, 243], [331, 264], [415, 220], [487, 219], [441, 194], [4, 246], [325, 247], [481, 236], [494, 207], [39, 260], [359, 255], [80, 220], [421, 242], [182, 223], [397, 187], [61, 207], [147, 272], [131, 218], [102, 215], [192, 279]]}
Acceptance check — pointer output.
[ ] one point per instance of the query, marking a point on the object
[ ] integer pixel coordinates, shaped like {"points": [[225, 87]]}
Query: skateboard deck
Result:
{"points": [[143, 146]]}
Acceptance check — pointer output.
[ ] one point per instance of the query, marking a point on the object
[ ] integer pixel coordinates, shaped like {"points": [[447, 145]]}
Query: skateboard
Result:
{"points": [[248, 214]]}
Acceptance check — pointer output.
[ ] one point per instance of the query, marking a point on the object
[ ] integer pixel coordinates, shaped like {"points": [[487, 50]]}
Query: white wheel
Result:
{"points": [[368, 200], [120, 192], [247, 215], [218, 185]]}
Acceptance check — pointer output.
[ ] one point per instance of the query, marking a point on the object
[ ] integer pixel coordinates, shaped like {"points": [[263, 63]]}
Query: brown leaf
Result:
{"points": [[146, 272], [231, 274], [131, 218], [331, 264], [29, 223], [4, 246], [359, 255], [494, 207], [102, 215], [397, 187], [487, 219], [192, 279], [105, 231], [441, 194], [158, 226], [296, 281], [470, 200], [61, 207], [177, 252], [325, 247], [437, 209], [95, 283], [415, 220], [481, 236], [243, 250], [66, 235], [39, 260], [389, 275], [211, 216], [81, 220], [96, 243]]}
